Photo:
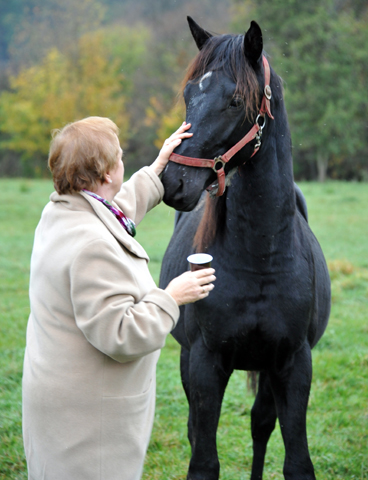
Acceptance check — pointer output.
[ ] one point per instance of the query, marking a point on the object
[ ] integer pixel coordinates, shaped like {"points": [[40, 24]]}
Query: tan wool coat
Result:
{"points": [[94, 334]]}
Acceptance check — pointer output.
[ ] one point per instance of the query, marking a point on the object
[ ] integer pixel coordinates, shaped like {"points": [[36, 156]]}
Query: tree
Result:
{"points": [[168, 121], [59, 90], [150, 46], [43, 24], [320, 50]]}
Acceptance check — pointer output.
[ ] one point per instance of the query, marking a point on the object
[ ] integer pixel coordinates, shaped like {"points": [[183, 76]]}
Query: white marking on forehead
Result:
{"points": [[206, 75]]}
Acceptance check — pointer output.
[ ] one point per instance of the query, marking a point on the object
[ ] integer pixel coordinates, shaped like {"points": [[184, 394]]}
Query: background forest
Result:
{"points": [[62, 61]]}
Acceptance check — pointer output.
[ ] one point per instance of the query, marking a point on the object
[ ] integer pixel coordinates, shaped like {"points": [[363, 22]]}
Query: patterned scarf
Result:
{"points": [[126, 222]]}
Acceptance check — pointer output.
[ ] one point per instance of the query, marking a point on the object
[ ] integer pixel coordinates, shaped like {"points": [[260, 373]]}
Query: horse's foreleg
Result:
{"points": [[263, 423], [184, 371], [291, 391], [208, 381]]}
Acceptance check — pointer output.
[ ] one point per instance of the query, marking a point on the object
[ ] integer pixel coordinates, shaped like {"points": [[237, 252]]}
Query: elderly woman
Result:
{"points": [[97, 320]]}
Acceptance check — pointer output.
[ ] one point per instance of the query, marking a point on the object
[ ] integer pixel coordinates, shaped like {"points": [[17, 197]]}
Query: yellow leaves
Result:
{"points": [[168, 122], [153, 111], [62, 89]]}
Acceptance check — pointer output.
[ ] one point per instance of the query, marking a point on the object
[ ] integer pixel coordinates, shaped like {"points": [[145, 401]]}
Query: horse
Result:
{"points": [[233, 188]]}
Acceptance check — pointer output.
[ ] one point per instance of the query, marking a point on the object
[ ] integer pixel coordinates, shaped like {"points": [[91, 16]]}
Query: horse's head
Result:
{"points": [[222, 95]]}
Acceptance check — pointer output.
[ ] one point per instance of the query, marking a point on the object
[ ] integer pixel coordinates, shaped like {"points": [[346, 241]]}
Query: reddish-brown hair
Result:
{"points": [[207, 227], [211, 224], [82, 153]]}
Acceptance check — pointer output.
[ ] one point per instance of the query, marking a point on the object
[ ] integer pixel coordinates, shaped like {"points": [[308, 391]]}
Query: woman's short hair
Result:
{"points": [[82, 153]]}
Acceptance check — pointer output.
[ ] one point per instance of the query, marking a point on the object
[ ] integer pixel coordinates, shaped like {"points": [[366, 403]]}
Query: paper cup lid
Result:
{"points": [[200, 258]]}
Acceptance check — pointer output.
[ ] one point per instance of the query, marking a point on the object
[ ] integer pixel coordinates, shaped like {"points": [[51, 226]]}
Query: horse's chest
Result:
{"points": [[254, 311]]}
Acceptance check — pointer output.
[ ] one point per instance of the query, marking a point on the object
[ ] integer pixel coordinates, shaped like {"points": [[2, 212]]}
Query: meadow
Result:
{"points": [[338, 406]]}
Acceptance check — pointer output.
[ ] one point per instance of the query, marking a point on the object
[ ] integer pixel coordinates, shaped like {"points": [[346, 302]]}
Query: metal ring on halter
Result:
{"points": [[268, 92], [261, 127], [218, 161]]}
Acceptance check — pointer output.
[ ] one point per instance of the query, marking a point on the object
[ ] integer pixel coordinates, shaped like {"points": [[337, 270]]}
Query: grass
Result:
{"points": [[338, 409]]}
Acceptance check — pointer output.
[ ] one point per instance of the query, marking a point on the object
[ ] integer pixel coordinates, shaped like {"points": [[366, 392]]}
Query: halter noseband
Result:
{"points": [[218, 163]]}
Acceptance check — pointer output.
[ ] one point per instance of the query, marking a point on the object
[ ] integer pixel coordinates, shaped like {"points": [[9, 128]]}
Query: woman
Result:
{"points": [[97, 320]]}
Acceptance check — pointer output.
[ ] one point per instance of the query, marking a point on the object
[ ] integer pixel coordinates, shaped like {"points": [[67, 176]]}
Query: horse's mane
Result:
{"points": [[225, 53], [213, 216]]}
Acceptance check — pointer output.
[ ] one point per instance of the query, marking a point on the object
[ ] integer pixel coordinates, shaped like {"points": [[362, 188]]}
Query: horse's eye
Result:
{"points": [[236, 102]]}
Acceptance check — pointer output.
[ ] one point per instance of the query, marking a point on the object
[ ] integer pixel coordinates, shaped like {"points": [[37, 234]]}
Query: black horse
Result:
{"points": [[271, 301]]}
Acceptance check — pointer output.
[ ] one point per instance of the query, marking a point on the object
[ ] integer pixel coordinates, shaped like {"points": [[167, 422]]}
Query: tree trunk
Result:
{"points": [[322, 164]]}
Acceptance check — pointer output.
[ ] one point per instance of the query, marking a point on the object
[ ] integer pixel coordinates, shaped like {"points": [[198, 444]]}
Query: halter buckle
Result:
{"points": [[268, 92], [218, 163]]}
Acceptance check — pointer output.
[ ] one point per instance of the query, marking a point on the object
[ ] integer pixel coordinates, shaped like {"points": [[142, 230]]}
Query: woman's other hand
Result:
{"points": [[192, 286], [169, 146]]}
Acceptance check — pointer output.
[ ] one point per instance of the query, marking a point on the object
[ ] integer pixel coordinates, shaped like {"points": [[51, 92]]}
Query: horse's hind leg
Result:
{"points": [[207, 380], [291, 391], [263, 423]]}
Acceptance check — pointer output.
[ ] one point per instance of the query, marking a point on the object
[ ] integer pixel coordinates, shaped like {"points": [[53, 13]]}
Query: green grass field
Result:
{"points": [[338, 407]]}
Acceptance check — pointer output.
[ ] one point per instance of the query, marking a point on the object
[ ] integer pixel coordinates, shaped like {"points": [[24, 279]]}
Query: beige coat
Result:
{"points": [[95, 331]]}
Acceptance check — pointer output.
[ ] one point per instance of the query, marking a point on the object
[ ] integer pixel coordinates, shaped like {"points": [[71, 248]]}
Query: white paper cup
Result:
{"points": [[198, 261]]}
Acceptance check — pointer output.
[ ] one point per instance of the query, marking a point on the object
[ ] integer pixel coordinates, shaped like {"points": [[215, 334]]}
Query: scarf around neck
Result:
{"points": [[126, 222]]}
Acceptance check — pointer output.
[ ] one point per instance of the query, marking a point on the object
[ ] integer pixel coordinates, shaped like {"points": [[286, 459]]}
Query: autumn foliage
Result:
{"points": [[126, 60]]}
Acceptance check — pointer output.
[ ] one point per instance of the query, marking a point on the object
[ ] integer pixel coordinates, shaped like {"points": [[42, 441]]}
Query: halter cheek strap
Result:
{"points": [[218, 163]]}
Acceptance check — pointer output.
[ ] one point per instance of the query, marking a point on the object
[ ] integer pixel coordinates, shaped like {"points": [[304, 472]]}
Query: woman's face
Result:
{"points": [[117, 174]]}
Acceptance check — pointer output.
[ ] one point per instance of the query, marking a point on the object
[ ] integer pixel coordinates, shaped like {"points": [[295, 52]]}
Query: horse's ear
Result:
{"points": [[253, 44], [200, 36]]}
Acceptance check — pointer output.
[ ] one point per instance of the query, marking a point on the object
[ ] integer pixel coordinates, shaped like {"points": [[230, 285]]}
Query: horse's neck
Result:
{"points": [[261, 206]]}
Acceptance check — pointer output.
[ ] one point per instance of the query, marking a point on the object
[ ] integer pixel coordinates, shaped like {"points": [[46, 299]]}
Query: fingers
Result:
{"points": [[180, 133], [207, 280], [183, 127], [172, 143], [205, 277], [206, 289], [190, 287], [204, 272], [177, 138]]}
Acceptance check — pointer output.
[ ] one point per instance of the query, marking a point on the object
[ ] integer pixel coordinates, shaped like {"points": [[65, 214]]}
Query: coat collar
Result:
{"points": [[83, 201]]}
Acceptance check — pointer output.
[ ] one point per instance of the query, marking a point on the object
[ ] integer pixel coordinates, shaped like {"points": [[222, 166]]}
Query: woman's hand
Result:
{"points": [[169, 146], [192, 286]]}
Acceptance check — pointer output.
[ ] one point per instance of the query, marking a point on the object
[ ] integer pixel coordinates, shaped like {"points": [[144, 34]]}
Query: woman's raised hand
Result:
{"points": [[192, 286], [169, 146]]}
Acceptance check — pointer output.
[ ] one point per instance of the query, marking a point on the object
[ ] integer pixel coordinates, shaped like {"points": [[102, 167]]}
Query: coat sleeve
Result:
{"points": [[140, 194], [110, 309]]}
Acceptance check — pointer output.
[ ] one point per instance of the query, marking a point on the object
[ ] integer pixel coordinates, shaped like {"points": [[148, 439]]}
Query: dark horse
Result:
{"points": [[271, 301]]}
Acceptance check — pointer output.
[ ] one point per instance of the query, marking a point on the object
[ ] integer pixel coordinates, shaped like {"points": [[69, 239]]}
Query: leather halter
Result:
{"points": [[218, 163]]}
